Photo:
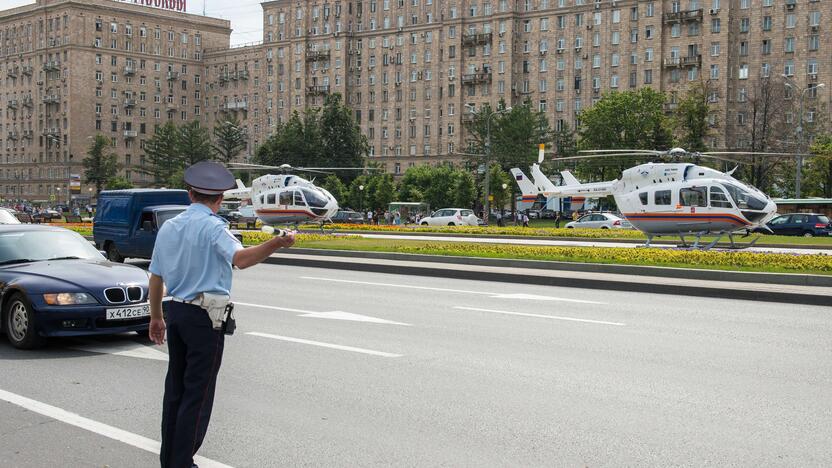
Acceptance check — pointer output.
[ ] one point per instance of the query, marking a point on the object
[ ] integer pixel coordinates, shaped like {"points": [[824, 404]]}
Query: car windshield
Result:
{"points": [[163, 216], [44, 245], [744, 199], [6, 217]]}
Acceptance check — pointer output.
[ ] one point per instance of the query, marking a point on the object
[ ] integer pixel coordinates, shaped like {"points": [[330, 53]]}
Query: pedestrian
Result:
{"points": [[499, 219], [387, 217], [557, 220], [369, 216], [397, 218], [193, 258], [525, 220]]}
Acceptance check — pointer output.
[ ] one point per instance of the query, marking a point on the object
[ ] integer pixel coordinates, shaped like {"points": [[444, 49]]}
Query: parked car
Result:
{"points": [[48, 215], [8, 216], [451, 217], [55, 283], [599, 221], [230, 215], [800, 224], [347, 217]]}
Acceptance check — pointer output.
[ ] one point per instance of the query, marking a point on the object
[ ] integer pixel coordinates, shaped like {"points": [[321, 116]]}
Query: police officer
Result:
{"points": [[193, 257]]}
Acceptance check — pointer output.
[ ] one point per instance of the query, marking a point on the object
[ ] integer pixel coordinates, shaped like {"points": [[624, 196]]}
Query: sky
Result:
{"points": [[246, 16]]}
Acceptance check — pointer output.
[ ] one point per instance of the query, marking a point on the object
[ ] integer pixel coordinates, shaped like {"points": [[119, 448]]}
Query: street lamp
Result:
{"points": [[361, 199], [799, 130], [488, 118]]}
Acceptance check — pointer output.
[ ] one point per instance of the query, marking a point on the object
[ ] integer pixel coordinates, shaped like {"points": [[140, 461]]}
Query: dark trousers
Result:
{"points": [[195, 351]]}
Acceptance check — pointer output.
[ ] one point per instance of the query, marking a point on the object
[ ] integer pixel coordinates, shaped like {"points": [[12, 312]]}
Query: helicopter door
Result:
{"points": [[270, 199], [718, 198], [299, 201], [285, 198]]}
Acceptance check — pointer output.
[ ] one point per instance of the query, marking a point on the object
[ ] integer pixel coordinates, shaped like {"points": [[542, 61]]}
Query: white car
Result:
{"points": [[599, 221], [8, 217], [451, 217]]}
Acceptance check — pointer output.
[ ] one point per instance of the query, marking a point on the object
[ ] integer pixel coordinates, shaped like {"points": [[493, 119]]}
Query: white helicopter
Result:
{"points": [[667, 198], [286, 198]]}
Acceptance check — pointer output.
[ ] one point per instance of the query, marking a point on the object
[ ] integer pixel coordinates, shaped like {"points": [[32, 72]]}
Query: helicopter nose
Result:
{"points": [[770, 210]]}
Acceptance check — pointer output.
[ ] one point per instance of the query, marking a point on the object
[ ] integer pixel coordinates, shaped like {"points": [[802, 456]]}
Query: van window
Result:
{"points": [[643, 197], [693, 196], [286, 198], [114, 210], [718, 198], [270, 199], [662, 197]]}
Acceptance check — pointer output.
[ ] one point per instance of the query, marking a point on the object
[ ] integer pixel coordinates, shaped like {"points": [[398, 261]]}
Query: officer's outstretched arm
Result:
{"points": [[251, 256]]}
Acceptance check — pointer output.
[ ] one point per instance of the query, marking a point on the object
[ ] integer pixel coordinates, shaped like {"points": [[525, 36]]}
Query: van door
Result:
{"points": [[144, 237]]}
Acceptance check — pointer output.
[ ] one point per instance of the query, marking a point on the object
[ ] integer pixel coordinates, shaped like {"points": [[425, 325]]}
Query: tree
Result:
{"points": [[819, 173], [357, 196], [501, 195], [438, 186], [290, 143], [100, 166], [691, 118], [383, 191], [193, 144], [229, 139], [464, 189], [336, 187], [624, 120], [343, 144], [162, 154], [119, 183], [515, 135]]}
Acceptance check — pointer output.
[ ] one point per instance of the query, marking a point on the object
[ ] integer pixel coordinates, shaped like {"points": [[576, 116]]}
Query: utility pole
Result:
{"points": [[798, 176], [487, 183]]}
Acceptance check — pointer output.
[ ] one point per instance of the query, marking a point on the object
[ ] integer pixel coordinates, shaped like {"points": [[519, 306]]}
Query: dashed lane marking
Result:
{"points": [[553, 317], [325, 345]]}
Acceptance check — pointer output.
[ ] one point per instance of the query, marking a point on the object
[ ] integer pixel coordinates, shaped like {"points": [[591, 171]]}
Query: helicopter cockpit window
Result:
{"points": [[743, 199], [662, 197], [299, 198], [262, 199], [314, 198], [286, 198], [270, 199], [718, 198], [693, 196], [643, 197]]}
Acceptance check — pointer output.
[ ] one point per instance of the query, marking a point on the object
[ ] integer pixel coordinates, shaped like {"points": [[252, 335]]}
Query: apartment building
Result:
{"points": [[410, 69], [71, 69]]}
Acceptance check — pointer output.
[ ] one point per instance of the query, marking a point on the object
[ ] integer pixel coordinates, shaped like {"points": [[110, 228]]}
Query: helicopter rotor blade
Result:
{"points": [[622, 151], [756, 153], [606, 155]]}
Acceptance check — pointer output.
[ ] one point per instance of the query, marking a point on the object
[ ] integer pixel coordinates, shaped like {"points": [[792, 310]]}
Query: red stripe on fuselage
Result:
{"points": [[685, 216]]}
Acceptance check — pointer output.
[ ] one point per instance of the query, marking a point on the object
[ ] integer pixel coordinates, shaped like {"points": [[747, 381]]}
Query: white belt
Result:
{"points": [[196, 301]]}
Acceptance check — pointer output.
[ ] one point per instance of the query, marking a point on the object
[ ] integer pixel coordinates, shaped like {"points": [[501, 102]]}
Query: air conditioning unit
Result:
{"points": [[560, 51], [543, 52], [589, 26], [714, 11], [815, 28]]}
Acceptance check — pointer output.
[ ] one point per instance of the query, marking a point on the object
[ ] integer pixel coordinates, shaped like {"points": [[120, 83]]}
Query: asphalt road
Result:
{"points": [[335, 368]]}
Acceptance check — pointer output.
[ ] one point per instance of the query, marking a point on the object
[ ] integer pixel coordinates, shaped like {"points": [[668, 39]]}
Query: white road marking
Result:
{"points": [[96, 427], [325, 345], [334, 315], [339, 315], [127, 349], [553, 317], [460, 291]]}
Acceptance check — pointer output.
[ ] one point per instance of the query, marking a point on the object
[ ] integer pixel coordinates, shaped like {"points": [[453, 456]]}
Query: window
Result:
{"points": [[643, 197], [662, 197], [743, 72], [716, 25], [719, 199], [693, 196], [745, 24], [789, 45]]}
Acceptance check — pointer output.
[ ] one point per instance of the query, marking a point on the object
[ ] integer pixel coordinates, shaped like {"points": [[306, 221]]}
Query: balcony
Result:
{"points": [[692, 61], [12, 104], [224, 77], [28, 134], [52, 65], [315, 55], [171, 105], [469, 40], [242, 74], [129, 70], [234, 106], [28, 102], [51, 99], [129, 102], [54, 132], [12, 72], [672, 61], [13, 135], [130, 134], [683, 16], [474, 78], [27, 70], [316, 90], [172, 75]]}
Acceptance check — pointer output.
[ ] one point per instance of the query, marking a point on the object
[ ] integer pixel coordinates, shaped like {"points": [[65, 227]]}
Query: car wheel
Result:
{"points": [[112, 253], [424, 224], [808, 234], [570, 227], [20, 323], [451, 224], [605, 227]]}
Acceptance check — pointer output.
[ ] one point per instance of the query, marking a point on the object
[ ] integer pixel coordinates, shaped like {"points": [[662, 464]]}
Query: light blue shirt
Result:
{"points": [[193, 253]]}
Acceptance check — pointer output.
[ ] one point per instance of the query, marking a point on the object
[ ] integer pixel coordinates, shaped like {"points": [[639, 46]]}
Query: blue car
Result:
{"points": [[53, 282]]}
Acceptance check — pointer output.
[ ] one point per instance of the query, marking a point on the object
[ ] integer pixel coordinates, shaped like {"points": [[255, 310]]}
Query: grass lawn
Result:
{"points": [[717, 260]]}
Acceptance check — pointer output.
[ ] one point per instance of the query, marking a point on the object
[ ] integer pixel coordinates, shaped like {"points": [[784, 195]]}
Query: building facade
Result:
{"points": [[410, 69]]}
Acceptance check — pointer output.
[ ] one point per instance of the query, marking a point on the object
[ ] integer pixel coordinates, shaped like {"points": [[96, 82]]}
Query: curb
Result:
{"points": [[790, 279], [718, 290]]}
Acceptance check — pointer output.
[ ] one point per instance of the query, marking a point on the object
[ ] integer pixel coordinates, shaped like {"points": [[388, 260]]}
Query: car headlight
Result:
{"points": [[69, 299]]}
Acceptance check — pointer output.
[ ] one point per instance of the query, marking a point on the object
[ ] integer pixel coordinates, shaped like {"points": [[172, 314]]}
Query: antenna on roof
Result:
{"points": [[204, 2]]}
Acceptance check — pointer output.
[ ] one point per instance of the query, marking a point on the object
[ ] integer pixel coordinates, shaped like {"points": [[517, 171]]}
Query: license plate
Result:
{"points": [[126, 313]]}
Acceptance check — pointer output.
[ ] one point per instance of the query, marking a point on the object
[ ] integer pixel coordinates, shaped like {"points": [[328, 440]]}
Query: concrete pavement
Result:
{"points": [[458, 373]]}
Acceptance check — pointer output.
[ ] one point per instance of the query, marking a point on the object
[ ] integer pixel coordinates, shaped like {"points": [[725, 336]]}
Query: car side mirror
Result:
{"points": [[147, 225]]}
